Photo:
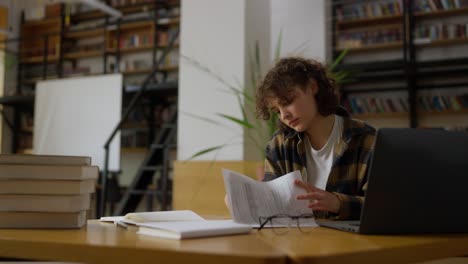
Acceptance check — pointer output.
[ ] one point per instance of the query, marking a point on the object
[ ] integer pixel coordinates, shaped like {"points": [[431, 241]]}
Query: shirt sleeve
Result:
{"points": [[350, 207], [272, 160], [272, 170]]}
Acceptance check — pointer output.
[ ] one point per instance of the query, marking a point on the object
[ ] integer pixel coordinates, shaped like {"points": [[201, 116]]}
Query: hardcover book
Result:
{"points": [[49, 187], [44, 203], [42, 220]]}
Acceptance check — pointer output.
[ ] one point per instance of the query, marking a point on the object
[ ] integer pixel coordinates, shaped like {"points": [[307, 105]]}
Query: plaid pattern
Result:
{"points": [[348, 177]]}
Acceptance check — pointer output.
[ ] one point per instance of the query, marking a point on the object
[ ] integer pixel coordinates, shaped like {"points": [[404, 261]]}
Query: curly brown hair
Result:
{"points": [[288, 73]]}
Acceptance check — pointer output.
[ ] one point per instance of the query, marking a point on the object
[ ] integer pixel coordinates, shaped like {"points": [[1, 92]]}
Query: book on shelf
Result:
{"points": [[367, 10], [44, 203], [160, 216], [44, 159], [362, 104], [45, 172], [193, 229], [48, 187], [51, 220], [439, 5]]}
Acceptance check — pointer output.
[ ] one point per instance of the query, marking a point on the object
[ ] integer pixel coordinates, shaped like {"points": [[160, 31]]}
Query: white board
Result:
{"points": [[76, 116]]}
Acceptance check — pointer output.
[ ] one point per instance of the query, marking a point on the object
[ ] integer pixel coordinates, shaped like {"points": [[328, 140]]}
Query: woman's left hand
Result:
{"points": [[319, 200]]}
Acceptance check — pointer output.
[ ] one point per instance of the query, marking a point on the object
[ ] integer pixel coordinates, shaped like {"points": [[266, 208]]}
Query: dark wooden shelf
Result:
{"points": [[80, 74], [89, 33], [139, 24], [146, 71], [175, 46], [41, 22], [367, 22], [383, 46], [83, 54], [39, 59], [442, 13], [387, 115], [380, 115], [463, 111], [132, 49], [444, 42]]}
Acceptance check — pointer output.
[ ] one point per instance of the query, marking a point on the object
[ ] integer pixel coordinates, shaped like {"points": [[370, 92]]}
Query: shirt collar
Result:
{"points": [[341, 111]]}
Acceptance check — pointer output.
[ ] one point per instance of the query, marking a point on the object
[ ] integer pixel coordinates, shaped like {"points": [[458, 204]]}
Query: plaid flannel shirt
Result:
{"points": [[348, 177]]}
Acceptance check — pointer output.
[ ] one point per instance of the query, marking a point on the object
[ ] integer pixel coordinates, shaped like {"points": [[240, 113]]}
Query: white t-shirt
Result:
{"points": [[319, 162]]}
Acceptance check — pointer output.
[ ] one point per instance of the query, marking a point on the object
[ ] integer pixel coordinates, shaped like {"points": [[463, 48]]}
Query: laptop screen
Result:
{"points": [[417, 182]]}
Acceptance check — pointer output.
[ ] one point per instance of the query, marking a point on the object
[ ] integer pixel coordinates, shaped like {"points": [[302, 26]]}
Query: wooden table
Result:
{"points": [[325, 245], [105, 243]]}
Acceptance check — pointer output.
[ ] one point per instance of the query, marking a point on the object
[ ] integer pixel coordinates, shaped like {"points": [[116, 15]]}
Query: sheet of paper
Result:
{"points": [[249, 199], [112, 219]]}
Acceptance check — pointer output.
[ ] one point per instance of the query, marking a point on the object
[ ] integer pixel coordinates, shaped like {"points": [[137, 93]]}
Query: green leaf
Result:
{"points": [[258, 68], [338, 59], [340, 77], [241, 106], [278, 46], [205, 151], [206, 119], [238, 121], [253, 81]]}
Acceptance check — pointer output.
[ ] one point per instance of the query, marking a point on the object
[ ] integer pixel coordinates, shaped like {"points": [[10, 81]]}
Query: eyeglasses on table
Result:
{"points": [[281, 223]]}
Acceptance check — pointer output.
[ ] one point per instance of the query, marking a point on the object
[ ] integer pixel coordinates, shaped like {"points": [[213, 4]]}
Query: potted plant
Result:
{"points": [[258, 131]]}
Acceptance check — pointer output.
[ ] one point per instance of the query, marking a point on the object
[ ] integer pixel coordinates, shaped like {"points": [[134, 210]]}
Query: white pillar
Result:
{"points": [[215, 34]]}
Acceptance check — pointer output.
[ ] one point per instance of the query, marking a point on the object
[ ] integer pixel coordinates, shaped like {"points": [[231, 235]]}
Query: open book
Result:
{"points": [[178, 224], [249, 199], [160, 216]]}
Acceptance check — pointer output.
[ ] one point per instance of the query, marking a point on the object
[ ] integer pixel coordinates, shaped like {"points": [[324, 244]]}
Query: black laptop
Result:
{"points": [[417, 183]]}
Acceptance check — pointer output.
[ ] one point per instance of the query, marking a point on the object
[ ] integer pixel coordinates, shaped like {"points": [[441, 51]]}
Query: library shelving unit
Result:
{"points": [[92, 43], [143, 46], [407, 60]]}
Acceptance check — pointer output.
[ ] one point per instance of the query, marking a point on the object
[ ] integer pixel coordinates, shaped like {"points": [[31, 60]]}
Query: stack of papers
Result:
{"points": [[249, 199]]}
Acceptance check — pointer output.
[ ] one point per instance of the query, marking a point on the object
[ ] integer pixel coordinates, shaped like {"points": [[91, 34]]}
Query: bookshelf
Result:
{"points": [[407, 60], [3, 25], [45, 45], [87, 43]]}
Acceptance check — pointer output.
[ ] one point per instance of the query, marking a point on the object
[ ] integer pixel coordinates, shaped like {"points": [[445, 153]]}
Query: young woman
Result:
{"points": [[316, 137]]}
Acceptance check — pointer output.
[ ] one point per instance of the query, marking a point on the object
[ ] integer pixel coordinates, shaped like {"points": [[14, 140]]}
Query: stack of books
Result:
{"points": [[44, 191]]}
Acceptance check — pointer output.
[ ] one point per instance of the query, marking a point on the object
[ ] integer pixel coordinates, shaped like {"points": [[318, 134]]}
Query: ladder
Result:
{"points": [[156, 160]]}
